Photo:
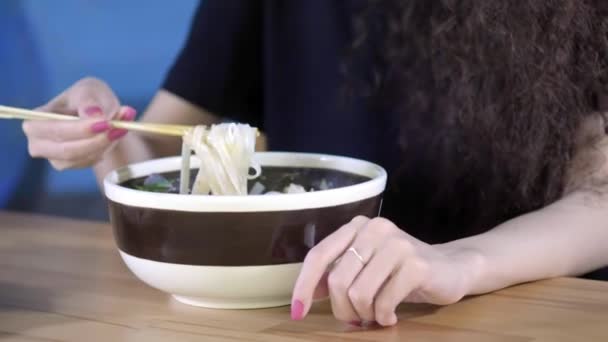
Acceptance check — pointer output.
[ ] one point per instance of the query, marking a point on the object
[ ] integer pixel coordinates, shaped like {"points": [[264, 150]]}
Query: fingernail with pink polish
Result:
{"points": [[93, 111], [129, 114], [356, 323], [297, 310], [99, 127], [116, 134]]}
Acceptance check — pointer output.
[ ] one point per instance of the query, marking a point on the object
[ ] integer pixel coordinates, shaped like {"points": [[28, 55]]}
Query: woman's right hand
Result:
{"points": [[79, 143]]}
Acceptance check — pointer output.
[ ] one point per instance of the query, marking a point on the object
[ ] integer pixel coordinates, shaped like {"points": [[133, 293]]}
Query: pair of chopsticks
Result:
{"points": [[26, 114]]}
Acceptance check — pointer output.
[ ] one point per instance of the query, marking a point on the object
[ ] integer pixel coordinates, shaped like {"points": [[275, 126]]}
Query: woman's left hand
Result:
{"points": [[369, 266]]}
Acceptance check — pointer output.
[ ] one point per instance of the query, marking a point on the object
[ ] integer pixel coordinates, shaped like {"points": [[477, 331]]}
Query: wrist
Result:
{"points": [[469, 263]]}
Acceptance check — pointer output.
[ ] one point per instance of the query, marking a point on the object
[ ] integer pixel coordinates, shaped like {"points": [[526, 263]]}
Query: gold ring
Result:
{"points": [[354, 251]]}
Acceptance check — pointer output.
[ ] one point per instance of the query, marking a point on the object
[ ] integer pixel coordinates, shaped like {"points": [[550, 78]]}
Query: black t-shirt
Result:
{"points": [[276, 65]]}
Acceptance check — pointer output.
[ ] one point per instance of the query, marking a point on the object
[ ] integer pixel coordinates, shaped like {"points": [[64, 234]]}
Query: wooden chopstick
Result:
{"points": [[26, 114], [174, 130]]}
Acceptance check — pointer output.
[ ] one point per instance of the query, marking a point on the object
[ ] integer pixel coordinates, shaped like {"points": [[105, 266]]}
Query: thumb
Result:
{"points": [[91, 107], [93, 98]]}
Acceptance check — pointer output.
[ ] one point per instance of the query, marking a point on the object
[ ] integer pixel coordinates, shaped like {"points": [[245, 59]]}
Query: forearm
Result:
{"points": [[567, 238]]}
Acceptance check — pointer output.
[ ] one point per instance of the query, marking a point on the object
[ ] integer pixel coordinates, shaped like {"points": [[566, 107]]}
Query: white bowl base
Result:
{"points": [[217, 287], [241, 304]]}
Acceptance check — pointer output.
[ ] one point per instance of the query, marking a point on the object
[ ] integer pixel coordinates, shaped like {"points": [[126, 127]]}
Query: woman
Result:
{"points": [[486, 115]]}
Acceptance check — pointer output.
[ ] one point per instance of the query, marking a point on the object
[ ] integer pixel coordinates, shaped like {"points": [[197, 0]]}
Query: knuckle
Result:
{"points": [[360, 298], [385, 320], [359, 218], [91, 83], [403, 244], [315, 254], [100, 144], [89, 80], [401, 247], [33, 149], [336, 283], [26, 126], [382, 226], [58, 165], [383, 309]]}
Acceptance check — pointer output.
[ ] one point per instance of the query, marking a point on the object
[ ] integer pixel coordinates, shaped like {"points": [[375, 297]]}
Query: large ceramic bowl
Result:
{"points": [[237, 251]]}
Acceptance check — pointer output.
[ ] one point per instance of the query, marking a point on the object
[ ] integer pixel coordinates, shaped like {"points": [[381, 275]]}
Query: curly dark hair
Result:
{"points": [[499, 88]]}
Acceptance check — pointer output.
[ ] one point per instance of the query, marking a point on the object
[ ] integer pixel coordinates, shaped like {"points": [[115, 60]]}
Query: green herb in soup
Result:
{"points": [[158, 183]]}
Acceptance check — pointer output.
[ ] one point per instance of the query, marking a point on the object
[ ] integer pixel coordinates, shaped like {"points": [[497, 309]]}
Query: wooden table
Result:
{"points": [[62, 280]]}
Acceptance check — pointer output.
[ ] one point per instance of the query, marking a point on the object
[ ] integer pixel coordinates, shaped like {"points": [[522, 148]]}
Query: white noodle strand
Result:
{"points": [[226, 154]]}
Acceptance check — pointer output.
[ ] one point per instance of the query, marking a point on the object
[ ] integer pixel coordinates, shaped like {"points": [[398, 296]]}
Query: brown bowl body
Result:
{"points": [[229, 239]]}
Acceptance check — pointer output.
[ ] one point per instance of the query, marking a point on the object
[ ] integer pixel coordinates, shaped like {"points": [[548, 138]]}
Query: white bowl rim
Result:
{"points": [[251, 203]]}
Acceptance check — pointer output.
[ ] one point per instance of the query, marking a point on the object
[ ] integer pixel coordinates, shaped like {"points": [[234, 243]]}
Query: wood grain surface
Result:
{"points": [[63, 280]]}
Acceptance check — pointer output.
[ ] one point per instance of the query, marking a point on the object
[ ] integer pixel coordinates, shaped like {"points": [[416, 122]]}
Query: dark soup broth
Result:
{"points": [[272, 179]]}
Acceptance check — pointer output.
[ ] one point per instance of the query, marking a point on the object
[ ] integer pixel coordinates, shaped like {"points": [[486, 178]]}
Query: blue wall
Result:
{"points": [[47, 45], [23, 84]]}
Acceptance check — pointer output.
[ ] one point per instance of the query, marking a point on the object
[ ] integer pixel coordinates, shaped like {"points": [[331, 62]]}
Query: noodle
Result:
{"points": [[226, 154]]}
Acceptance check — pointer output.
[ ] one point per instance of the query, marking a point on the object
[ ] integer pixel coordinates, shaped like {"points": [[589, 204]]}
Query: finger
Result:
{"points": [[91, 108], [88, 162], [369, 237], [61, 165], [117, 133], [77, 164], [346, 270], [396, 289], [127, 113], [72, 151], [59, 131], [58, 104], [339, 282], [93, 98], [87, 98], [317, 262], [367, 284], [322, 289]]}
